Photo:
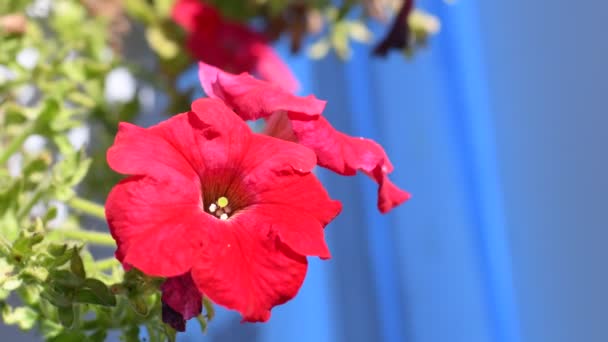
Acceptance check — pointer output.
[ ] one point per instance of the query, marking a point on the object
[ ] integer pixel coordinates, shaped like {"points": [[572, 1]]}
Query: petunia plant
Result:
{"points": [[111, 228]]}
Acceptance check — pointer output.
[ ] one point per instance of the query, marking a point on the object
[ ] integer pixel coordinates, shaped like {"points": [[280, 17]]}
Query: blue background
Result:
{"points": [[498, 130]]}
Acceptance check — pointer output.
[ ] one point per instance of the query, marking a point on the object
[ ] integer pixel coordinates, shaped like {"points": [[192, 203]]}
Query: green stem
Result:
{"points": [[16, 143], [105, 264], [96, 238], [88, 207]]}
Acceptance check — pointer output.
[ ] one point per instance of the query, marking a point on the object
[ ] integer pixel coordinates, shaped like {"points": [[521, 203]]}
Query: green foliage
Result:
{"points": [[61, 291]]}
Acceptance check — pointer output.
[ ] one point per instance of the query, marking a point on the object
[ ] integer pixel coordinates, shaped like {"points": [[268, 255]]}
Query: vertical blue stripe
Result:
{"points": [[382, 256], [471, 115]]}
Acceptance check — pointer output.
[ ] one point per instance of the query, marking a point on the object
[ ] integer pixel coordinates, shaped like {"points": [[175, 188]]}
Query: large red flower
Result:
{"points": [[299, 119], [229, 45], [240, 211]]}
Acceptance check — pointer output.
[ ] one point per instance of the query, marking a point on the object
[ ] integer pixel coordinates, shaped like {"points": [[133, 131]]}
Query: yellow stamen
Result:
{"points": [[222, 202]]}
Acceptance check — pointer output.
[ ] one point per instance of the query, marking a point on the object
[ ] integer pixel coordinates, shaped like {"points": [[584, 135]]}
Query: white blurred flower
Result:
{"points": [[34, 144], [15, 165], [6, 74], [26, 94], [79, 136], [38, 209], [39, 8], [28, 58], [120, 86]]}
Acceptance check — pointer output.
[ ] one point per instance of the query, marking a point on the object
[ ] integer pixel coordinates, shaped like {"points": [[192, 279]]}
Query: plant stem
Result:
{"points": [[16, 143], [105, 264], [102, 239], [88, 207]]}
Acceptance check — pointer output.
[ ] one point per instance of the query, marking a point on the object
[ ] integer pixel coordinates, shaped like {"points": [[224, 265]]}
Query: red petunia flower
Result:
{"points": [[299, 119], [228, 45], [240, 211]]}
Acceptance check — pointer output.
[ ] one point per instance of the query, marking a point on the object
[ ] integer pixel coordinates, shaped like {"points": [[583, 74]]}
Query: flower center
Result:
{"points": [[220, 208]]}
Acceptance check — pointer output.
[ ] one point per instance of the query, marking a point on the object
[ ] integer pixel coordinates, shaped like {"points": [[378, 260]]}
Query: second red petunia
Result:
{"points": [[229, 45]]}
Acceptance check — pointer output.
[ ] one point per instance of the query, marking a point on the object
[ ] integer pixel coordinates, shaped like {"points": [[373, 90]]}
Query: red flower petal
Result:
{"points": [[296, 118], [246, 268], [252, 99], [149, 219], [345, 155], [132, 154], [291, 200], [181, 294]]}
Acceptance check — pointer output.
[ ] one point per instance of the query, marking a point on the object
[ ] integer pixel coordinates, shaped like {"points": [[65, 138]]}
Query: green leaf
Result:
{"points": [[11, 283], [139, 305], [76, 264], [50, 110], [5, 270], [30, 294], [95, 292], [36, 272], [66, 279], [24, 317], [98, 336], [59, 260], [56, 298], [66, 315], [56, 249], [202, 321], [70, 336], [131, 334], [208, 305], [319, 49]]}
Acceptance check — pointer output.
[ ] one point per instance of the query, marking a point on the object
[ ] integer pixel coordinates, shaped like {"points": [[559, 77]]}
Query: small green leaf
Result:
{"points": [[358, 31], [66, 279], [56, 249], [98, 336], [202, 321], [30, 294], [24, 317], [36, 272], [208, 308], [131, 334], [319, 49], [139, 305], [70, 336], [66, 315], [56, 298], [50, 215], [76, 264], [12, 284], [95, 292]]}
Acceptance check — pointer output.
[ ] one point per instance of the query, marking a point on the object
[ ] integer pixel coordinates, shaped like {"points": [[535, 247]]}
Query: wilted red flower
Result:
{"points": [[240, 211], [299, 119], [181, 301], [229, 45]]}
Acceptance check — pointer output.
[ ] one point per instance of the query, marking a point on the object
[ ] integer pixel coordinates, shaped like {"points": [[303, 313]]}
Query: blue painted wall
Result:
{"points": [[499, 131]]}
